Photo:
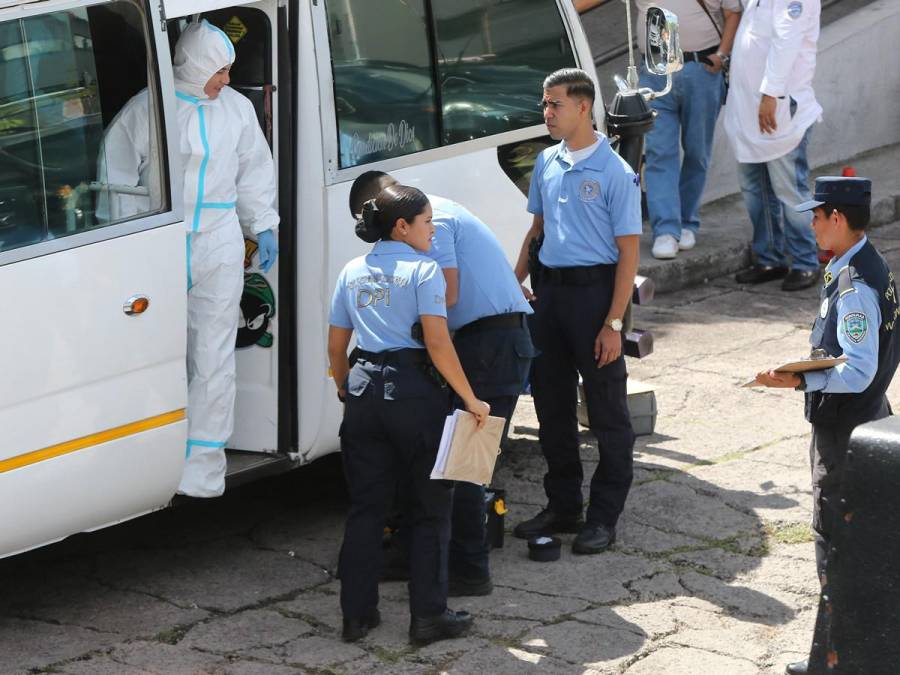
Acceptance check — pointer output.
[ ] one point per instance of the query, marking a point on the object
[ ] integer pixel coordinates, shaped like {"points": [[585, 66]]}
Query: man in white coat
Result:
{"points": [[769, 114], [229, 183]]}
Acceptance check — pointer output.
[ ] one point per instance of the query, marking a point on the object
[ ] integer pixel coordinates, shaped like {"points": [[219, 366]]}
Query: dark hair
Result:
{"points": [[379, 215], [857, 215], [366, 186], [578, 83]]}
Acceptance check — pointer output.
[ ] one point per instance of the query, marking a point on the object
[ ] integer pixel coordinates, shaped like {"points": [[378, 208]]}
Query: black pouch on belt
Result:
{"points": [[418, 334]]}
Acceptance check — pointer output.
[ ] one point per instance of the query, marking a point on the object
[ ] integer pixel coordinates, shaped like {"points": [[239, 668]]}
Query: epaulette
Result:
{"points": [[845, 281]]}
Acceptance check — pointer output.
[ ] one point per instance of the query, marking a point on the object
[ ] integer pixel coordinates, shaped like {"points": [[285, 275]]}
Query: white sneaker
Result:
{"points": [[688, 240], [665, 247]]}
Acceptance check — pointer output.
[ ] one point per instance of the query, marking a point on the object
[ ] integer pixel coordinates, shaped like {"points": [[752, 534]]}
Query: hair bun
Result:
{"points": [[368, 234], [366, 226]]}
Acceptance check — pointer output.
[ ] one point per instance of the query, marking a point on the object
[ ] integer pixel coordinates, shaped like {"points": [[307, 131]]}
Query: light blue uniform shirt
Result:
{"points": [[585, 206], [487, 284], [381, 296], [857, 372]]}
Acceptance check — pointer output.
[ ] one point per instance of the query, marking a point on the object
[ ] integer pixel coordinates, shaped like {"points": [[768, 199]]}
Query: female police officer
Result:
{"points": [[394, 412]]}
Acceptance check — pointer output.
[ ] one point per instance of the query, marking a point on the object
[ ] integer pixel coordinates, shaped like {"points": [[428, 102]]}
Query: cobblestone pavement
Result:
{"points": [[712, 573]]}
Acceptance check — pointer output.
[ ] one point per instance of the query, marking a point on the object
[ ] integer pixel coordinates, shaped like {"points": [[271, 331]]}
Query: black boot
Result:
{"points": [[546, 523], [594, 538], [450, 624], [356, 629]]}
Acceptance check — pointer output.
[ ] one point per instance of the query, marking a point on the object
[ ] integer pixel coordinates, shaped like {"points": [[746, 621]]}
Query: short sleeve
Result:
{"points": [[443, 246], [431, 290], [732, 5], [535, 198], [624, 200], [340, 317]]}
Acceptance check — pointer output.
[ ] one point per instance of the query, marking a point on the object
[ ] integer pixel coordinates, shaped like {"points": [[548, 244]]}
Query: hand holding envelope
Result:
{"points": [[466, 452]]}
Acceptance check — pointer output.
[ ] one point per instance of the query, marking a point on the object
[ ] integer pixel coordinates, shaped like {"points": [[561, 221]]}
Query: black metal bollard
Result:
{"points": [[858, 624]]}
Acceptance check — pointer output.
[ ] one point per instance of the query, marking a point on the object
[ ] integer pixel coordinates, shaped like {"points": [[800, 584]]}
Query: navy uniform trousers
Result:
{"points": [[393, 419], [567, 318], [827, 457], [495, 354]]}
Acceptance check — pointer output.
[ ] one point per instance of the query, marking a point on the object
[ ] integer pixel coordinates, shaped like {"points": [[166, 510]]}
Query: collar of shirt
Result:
{"points": [[586, 155], [393, 248], [844, 260]]}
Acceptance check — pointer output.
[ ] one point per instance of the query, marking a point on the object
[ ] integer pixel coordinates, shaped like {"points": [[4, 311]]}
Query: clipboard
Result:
{"points": [[804, 366]]}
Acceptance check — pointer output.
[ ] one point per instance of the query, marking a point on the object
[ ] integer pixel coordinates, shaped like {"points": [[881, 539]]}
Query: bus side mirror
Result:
{"points": [[664, 55]]}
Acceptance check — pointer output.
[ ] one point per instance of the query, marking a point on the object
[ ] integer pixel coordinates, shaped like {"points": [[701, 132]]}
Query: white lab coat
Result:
{"points": [[774, 53], [229, 182]]}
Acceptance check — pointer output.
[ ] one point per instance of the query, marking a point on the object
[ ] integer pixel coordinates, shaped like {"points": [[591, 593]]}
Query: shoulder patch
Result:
{"points": [[795, 9], [856, 325]]}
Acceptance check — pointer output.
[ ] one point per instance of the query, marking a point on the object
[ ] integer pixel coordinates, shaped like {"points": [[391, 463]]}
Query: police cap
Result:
{"points": [[839, 190]]}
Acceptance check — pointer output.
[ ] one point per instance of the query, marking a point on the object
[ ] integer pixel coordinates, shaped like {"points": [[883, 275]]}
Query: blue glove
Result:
{"points": [[268, 249]]}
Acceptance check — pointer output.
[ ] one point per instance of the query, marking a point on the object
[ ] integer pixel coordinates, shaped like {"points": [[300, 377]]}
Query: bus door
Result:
{"points": [[252, 30], [92, 271]]}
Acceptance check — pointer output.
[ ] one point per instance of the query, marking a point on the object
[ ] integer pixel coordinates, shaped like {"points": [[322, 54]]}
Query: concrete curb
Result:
{"points": [[723, 242]]}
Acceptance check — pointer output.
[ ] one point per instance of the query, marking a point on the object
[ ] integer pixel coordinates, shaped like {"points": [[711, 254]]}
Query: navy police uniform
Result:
{"points": [[393, 418], [586, 202], [857, 318], [494, 347]]}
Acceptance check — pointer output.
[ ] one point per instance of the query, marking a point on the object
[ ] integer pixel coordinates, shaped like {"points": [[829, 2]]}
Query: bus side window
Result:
{"points": [[383, 79], [493, 56], [61, 81]]}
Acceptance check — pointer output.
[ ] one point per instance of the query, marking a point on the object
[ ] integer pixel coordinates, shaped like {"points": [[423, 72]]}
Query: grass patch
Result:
{"points": [[790, 533], [172, 636]]}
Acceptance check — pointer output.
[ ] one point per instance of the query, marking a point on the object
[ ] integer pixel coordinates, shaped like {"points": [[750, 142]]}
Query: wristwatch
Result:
{"points": [[615, 324], [725, 59], [802, 385]]}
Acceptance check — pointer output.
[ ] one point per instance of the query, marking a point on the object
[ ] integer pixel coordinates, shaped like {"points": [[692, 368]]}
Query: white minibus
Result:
{"points": [[441, 93]]}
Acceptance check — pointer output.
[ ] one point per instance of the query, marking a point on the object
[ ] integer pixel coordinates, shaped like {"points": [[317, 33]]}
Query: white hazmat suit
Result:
{"points": [[229, 182]]}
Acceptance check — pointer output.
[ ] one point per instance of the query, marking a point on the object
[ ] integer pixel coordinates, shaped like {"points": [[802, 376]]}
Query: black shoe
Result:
{"points": [[797, 668], [797, 280], [546, 523], [594, 539], [450, 624], [461, 586], [758, 274], [356, 629]]}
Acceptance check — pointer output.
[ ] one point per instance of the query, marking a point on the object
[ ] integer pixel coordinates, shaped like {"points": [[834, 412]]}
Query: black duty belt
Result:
{"points": [[509, 320], [701, 56], [576, 276], [394, 356]]}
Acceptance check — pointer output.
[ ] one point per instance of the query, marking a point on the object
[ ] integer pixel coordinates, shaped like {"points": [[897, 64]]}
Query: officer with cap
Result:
{"points": [[395, 410], [486, 310], [857, 318], [585, 200]]}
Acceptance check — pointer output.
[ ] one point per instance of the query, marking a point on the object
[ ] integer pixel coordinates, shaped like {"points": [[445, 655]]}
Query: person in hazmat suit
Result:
{"points": [[229, 184]]}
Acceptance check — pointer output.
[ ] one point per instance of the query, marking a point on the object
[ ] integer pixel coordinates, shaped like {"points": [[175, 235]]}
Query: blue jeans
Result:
{"points": [[781, 236], [685, 120]]}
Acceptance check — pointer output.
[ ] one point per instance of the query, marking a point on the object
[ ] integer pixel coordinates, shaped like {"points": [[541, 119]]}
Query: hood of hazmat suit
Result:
{"points": [[201, 51]]}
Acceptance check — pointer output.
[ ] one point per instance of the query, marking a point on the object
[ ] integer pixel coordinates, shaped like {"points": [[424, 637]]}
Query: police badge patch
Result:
{"points": [[589, 190], [856, 326], [795, 9]]}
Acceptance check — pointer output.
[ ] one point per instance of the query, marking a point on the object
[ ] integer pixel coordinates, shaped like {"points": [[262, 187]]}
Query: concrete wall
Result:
{"points": [[857, 82]]}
